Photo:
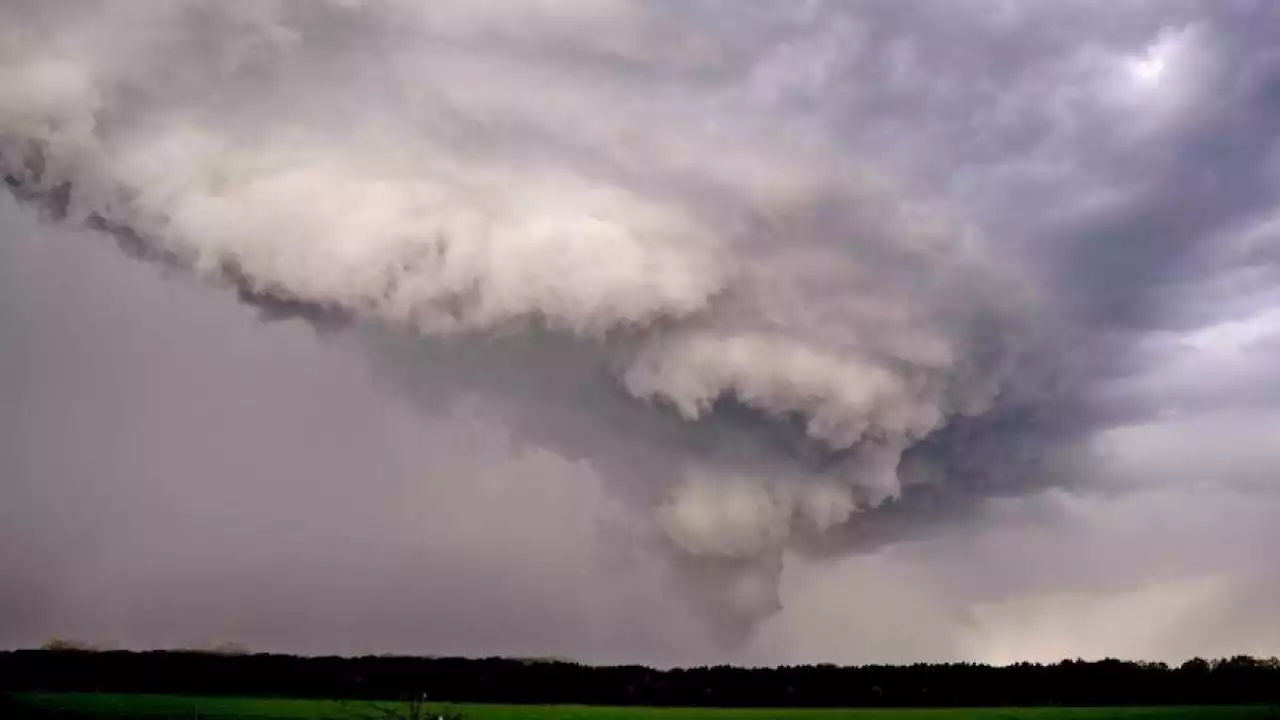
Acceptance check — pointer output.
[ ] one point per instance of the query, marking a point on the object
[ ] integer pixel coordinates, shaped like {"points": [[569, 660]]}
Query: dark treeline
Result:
{"points": [[1107, 682]]}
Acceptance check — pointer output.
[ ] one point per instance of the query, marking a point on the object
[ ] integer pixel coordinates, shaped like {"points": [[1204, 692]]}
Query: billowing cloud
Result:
{"points": [[789, 282]]}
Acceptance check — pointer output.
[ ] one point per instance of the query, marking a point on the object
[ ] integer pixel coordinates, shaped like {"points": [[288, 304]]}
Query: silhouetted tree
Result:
{"points": [[1239, 679]]}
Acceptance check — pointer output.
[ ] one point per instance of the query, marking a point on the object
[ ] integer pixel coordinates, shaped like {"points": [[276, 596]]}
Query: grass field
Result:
{"points": [[108, 706]]}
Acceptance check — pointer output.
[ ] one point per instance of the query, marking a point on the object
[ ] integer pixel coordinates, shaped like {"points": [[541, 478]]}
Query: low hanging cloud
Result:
{"points": [[804, 322], [690, 246]]}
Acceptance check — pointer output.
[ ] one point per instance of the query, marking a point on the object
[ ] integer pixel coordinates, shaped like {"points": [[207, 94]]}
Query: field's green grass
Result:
{"points": [[109, 707]]}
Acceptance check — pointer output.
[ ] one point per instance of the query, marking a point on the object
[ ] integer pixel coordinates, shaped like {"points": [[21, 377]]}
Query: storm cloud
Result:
{"points": [[629, 297]]}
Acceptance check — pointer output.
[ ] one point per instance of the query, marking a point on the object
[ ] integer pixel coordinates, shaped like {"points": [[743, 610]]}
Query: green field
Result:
{"points": [[106, 706]]}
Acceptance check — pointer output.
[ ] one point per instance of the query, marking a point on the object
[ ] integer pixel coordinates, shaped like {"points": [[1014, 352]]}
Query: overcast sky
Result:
{"points": [[651, 331]]}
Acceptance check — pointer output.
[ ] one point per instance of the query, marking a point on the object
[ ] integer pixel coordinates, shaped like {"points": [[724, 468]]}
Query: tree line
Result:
{"points": [[1235, 680]]}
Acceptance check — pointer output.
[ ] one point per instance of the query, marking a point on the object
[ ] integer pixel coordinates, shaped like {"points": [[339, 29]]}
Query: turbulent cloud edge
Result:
{"points": [[723, 272]]}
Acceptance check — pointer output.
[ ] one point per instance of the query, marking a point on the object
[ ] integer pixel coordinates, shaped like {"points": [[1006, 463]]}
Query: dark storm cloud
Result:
{"points": [[1211, 172], [892, 250], [1030, 108]]}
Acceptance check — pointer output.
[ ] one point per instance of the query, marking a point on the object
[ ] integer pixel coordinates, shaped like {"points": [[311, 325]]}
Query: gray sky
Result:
{"points": [[672, 332]]}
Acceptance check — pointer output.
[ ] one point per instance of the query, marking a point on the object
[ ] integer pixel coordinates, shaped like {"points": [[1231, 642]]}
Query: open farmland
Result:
{"points": [[109, 706]]}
